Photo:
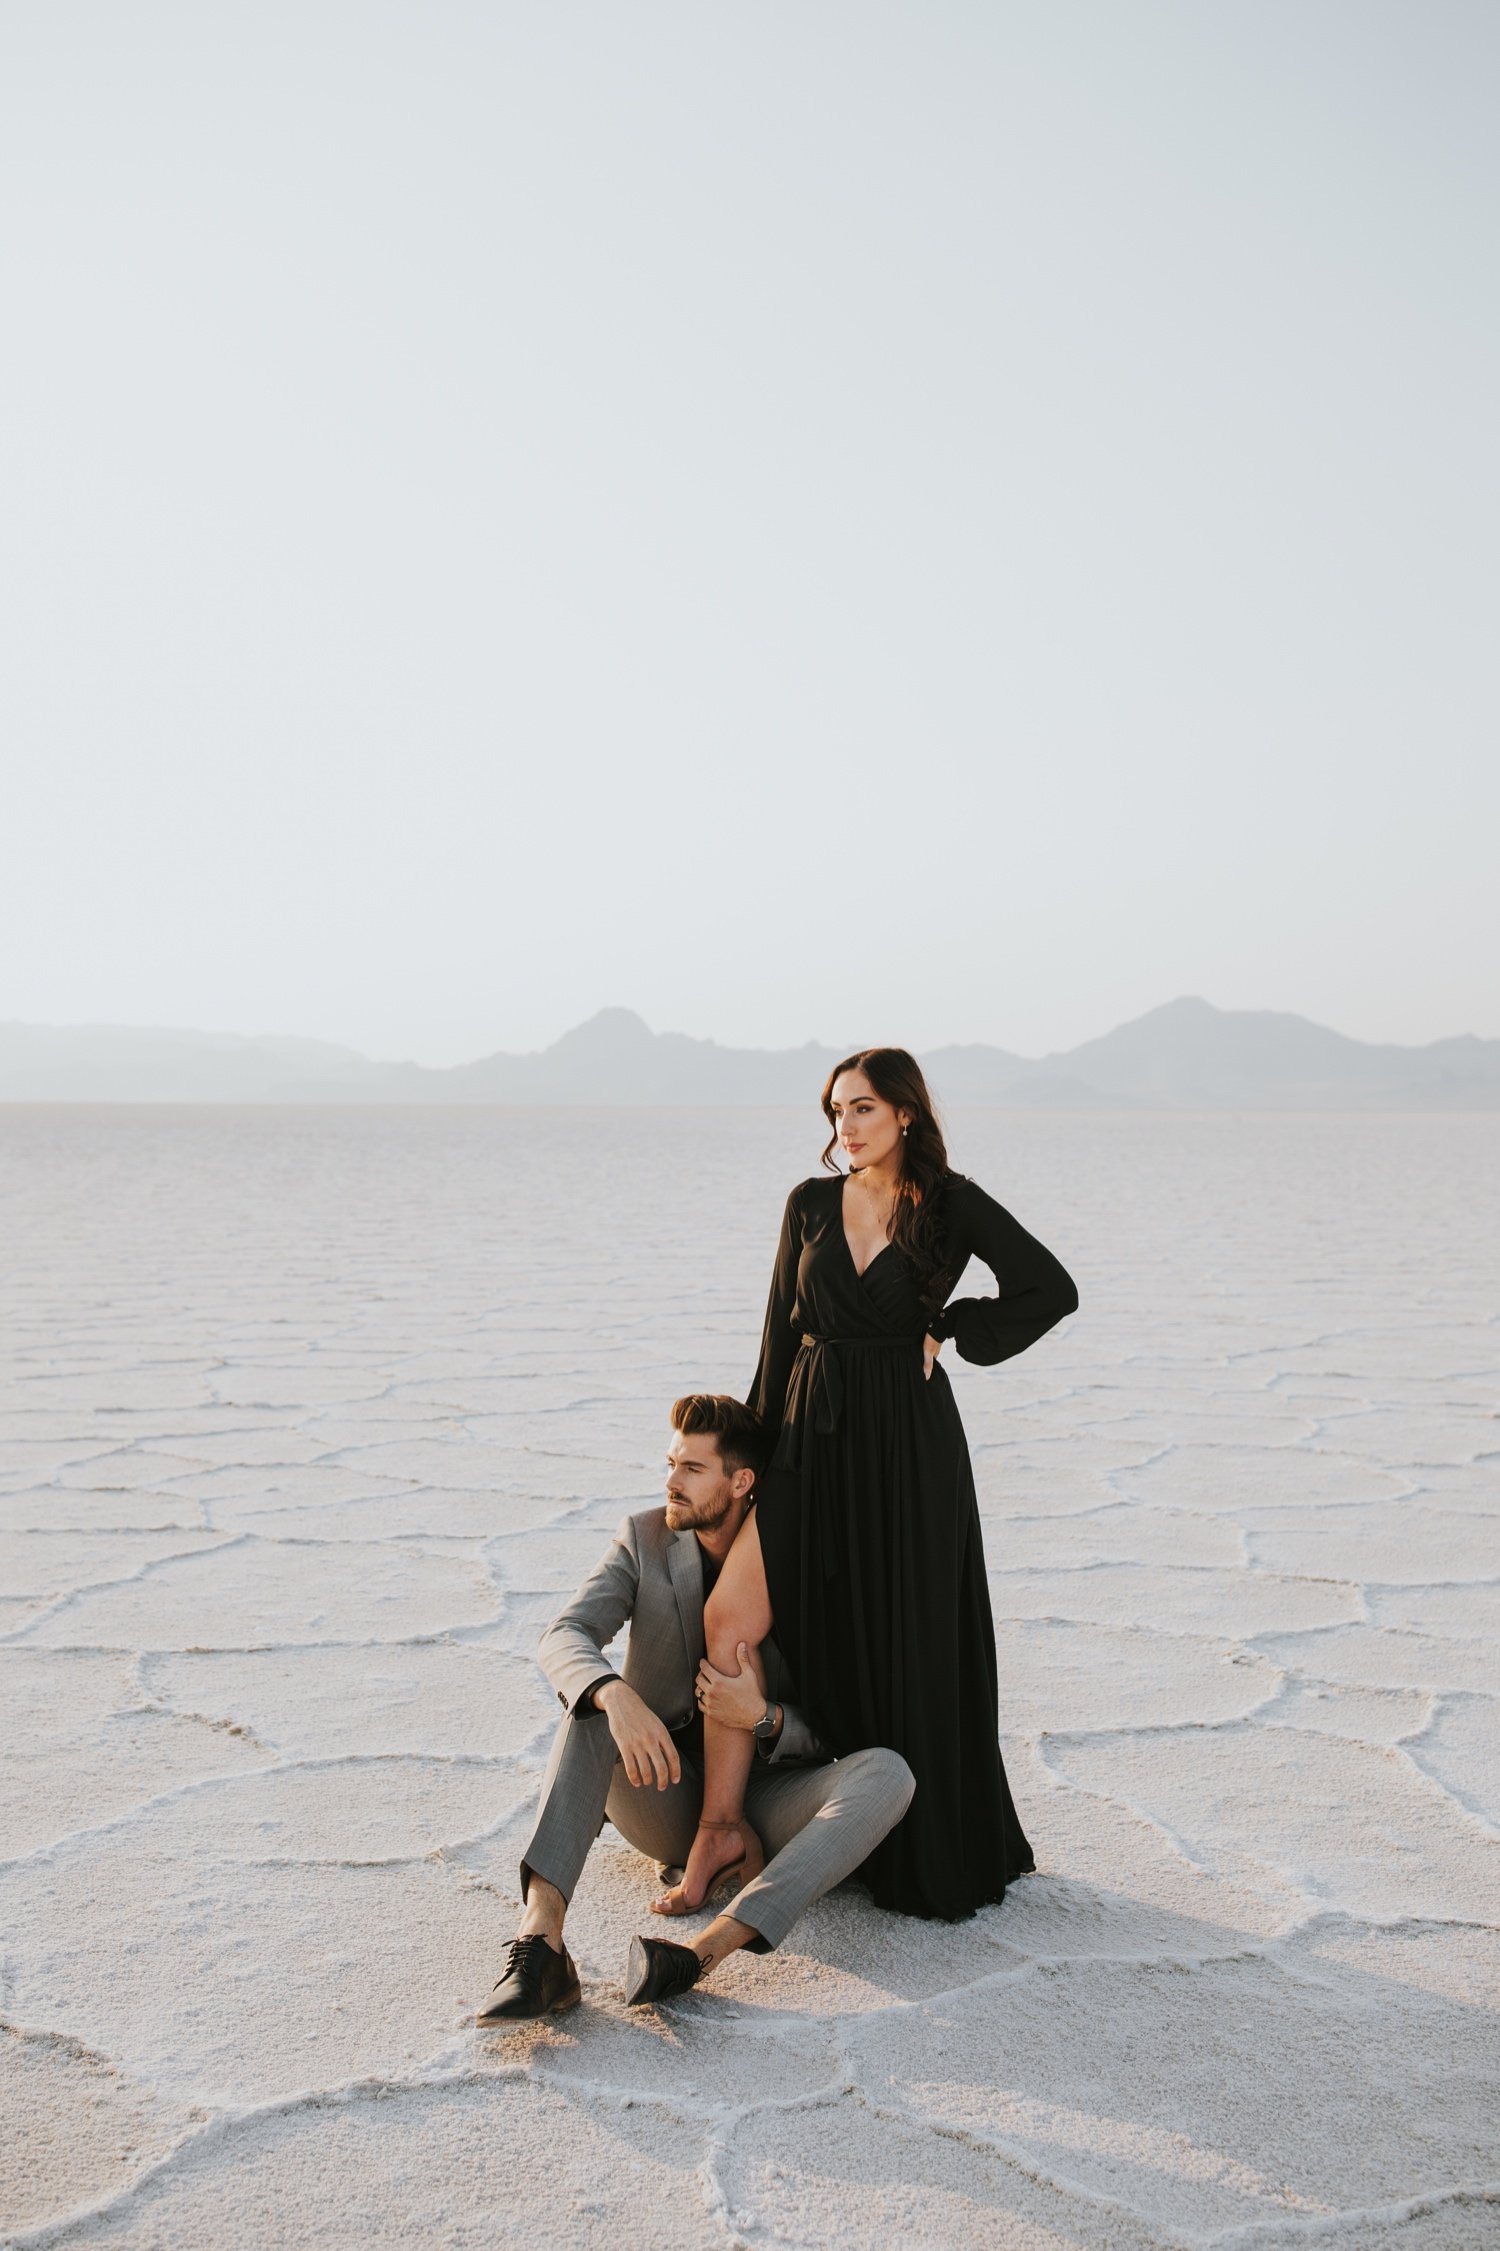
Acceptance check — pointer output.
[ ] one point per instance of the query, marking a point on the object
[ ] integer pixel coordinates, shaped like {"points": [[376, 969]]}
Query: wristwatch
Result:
{"points": [[766, 1726]]}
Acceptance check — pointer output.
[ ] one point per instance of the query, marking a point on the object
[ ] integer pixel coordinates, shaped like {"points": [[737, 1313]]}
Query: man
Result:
{"points": [[631, 1749]]}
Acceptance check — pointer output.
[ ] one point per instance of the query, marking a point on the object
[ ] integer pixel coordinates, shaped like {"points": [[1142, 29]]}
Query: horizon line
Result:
{"points": [[617, 1008]]}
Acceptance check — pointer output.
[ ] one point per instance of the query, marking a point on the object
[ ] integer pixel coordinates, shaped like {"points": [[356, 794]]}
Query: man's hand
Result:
{"points": [[733, 1699], [931, 1347], [646, 1750]]}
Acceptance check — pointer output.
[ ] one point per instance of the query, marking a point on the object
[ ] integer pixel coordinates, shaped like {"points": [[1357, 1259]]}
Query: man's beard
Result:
{"points": [[697, 1516]]}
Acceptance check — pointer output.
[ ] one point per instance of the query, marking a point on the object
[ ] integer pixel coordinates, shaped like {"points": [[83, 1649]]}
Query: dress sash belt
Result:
{"points": [[819, 1370]]}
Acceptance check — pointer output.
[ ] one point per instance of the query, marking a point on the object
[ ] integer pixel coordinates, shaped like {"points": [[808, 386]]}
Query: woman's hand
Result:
{"points": [[646, 1750], [931, 1347], [733, 1699]]}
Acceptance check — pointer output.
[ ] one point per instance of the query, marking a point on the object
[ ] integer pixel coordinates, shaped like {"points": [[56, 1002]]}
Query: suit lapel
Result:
{"points": [[686, 1566]]}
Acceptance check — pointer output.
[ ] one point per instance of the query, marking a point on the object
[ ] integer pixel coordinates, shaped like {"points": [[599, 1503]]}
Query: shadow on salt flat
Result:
{"points": [[840, 2173], [1239, 2088]]}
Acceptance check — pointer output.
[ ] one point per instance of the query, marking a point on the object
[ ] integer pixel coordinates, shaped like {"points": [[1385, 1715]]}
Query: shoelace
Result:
{"points": [[523, 1954]]}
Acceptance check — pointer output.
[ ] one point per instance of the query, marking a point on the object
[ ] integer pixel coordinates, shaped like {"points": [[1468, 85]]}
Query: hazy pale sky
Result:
{"points": [[930, 521]]}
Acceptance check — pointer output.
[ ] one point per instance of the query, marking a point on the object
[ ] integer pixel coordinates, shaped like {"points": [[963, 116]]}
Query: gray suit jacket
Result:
{"points": [[654, 1579]]}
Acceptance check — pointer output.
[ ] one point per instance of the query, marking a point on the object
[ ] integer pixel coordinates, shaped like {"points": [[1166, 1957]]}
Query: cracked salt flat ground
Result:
{"points": [[308, 1418]]}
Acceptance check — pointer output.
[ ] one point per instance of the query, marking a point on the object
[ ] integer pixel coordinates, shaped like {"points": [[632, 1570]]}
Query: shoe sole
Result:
{"points": [[569, 2000], [638, 1977], [637, 1974]]}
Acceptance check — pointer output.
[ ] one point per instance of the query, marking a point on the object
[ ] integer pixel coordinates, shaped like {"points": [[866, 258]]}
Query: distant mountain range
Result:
{"points": [[1186, 1055]]}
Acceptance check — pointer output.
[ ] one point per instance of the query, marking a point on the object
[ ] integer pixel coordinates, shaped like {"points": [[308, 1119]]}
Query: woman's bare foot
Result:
{"points": [[720, 1849]]}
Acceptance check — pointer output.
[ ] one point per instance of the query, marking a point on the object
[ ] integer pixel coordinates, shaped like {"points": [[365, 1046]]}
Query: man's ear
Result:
{"points": [[742, 1482]]}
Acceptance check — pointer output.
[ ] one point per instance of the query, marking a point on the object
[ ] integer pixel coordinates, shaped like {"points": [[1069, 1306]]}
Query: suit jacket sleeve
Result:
{"points": [[796, 1745], [572, 1649], [1034, 1290]]}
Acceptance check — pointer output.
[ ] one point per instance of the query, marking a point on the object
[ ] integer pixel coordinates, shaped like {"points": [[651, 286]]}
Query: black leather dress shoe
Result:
{"points": [[537, 1981], [657, 1970]]}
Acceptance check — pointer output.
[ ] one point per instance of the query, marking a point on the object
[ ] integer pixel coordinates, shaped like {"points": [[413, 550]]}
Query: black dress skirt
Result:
{"points": [[869, 1523]]}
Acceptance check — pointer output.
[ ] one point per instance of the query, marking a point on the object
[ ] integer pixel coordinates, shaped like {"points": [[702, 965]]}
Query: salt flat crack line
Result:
{"points": [[239, 1779], [1267, 2235], [994, 2142], [64, 1602], [228, 2120]]}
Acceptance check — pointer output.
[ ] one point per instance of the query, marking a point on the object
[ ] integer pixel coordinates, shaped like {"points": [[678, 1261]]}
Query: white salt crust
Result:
{"points": [[306, 1421]]}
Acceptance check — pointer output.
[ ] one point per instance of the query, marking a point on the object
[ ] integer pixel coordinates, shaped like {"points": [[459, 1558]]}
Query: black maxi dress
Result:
{"points": [[869, 1523]]}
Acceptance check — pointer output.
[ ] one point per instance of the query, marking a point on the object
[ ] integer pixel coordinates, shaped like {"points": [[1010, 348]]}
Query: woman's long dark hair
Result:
{"points": [[897, 1079]]}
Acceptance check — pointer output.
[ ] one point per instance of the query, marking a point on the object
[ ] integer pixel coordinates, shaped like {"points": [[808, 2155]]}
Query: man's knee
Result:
{"points": [[885, 1771]]}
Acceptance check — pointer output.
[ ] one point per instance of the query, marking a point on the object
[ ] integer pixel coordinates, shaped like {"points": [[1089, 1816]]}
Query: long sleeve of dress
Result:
{"points": [[778, 1344], [1034, 1290]]}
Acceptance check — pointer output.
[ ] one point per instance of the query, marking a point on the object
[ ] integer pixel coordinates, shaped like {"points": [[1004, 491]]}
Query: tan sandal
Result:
{"points": [[735, 1873]]}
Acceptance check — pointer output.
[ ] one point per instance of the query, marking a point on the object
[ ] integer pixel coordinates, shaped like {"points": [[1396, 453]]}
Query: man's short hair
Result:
{"points": [[739, 1430]]}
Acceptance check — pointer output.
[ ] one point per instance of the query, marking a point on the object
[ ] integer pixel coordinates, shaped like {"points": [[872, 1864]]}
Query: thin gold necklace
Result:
{"points": [[882, 1213]]}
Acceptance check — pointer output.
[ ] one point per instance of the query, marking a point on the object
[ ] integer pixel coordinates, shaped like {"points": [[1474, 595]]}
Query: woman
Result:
{"points": [[865, 1545]]}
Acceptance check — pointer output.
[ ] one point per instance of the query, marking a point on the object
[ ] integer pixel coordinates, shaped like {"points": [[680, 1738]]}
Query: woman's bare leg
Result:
{"points": [[739, 1609]]}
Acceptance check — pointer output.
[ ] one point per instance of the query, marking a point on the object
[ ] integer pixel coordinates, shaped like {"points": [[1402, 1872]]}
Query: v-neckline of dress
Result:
{"points": [[859, 1271]]}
